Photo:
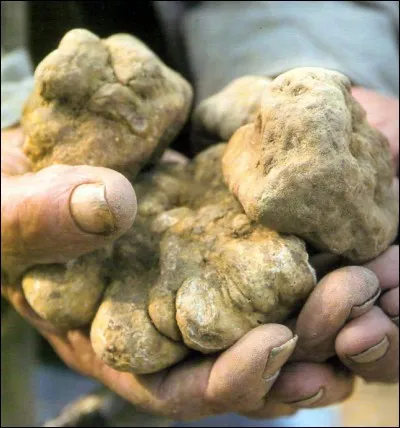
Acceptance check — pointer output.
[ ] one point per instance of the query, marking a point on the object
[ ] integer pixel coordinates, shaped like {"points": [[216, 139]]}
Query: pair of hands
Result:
{"points": [[347, 327]]}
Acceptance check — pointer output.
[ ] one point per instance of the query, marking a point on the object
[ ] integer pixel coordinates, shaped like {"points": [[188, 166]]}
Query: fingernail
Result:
{"points": [[308, 402], [372, 354], [277, 357], [90, 209], [359, 310]]}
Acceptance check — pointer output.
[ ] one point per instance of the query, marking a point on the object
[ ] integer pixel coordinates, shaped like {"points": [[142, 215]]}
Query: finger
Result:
{"points": [[271, 409], [305, 385], [12, 137], [62, 212], [325, 385], [341, 295], [369, 347], [236, 381], [76, 351], [389, 303], [17, 299], [245, 373], [386, 268], [14, 162]]}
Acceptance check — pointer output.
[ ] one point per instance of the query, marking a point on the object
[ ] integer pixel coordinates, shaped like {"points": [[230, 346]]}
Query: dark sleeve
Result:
{"points": [[50, 20]]}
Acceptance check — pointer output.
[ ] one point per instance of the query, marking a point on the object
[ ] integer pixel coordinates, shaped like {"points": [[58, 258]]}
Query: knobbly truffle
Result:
{"points": [[311, 165], [110, 103]]}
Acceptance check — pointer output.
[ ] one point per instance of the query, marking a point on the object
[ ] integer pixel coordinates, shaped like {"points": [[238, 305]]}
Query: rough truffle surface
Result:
{"points": [[193, 272], [203, 263], [311, 165], [68, 295], [109, 103], [194, 269]]}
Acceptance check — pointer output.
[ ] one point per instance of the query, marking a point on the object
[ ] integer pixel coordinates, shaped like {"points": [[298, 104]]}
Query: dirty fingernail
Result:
{"points": [[278, 356], [90, 209], [308, 402], [372, 354], [359, 310]]}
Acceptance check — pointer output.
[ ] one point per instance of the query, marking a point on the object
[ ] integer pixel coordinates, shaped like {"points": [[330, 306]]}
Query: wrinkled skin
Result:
{"points": [[209, 385], [311, 165], [203, 275], [110, 103], [113, 103]]}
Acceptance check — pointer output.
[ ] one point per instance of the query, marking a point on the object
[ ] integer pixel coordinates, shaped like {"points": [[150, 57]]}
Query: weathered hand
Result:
{"points": [[345, 316], [354, 312], [59, 213], [349, 325], [233, 382], [383, 114], [39, 226]]}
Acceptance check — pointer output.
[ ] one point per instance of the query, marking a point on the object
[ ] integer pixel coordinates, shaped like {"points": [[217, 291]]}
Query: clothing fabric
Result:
{"points": [[229, 39]]}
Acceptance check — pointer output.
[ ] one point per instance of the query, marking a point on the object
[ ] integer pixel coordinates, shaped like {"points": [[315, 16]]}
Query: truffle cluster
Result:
{"points": [[218, 244]]}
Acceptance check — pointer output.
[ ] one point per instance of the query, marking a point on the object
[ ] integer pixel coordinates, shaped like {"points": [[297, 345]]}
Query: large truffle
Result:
{"points": [[110, 103], [193, 272], [194, 269], [200, 266], [311, 165]]}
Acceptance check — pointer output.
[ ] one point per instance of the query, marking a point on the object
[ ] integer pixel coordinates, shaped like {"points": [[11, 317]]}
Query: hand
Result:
{"points": [[39, 225], [354, 312], [341, 318], [349, 325], [215, 383], [383, 114], [60, 212]]}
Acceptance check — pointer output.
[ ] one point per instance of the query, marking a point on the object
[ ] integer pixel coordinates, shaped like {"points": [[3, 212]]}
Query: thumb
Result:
{"points": [[62, 212]]}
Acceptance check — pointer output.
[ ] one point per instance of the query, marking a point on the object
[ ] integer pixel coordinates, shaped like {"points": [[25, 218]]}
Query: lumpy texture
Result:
{"points": [[193, 273], [110, 103], [310, 164], [217, 244]]}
